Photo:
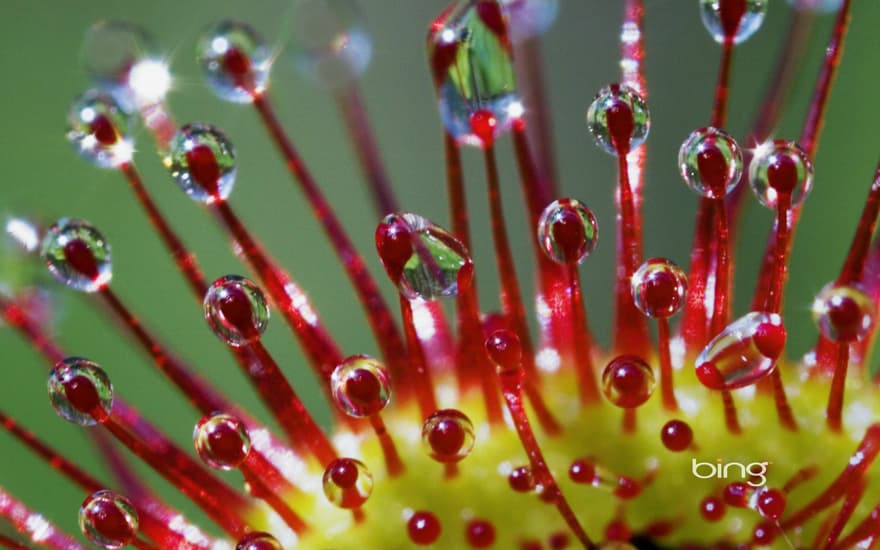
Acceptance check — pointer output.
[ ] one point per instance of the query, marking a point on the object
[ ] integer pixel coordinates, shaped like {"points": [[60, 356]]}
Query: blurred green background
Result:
{"points": [[44, 179]]}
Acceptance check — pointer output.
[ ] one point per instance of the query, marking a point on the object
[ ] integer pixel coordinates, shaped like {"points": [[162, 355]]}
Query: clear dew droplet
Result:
{"points": [[347, 483], [780, 167], [98, 129], [844, 312], [470, 60], [710, 162], [221, 441], [201, 160], [108, 519], [619, 119], [421, 258], [568, 231], [529, 18], [235, 60], [448, 435], [360, 386], [743, 353], [77, 255], [80, 391], [331, 45], [659, 287], [236, 310], [627, 381], [738, 19], [258, 540]]}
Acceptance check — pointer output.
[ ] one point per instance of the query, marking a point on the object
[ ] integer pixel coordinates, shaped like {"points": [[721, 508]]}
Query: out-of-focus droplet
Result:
{"points": [[780, 167], [422, 259], [77, 255], [659, 287], [347, 483], [236, 310], [732, 19], [743, 353], [221, 441], [201, 160], [98, 129], [529, 18], [521, 479], [424, 528], [108, 519], [235, 60], [844, 313], [360, 386], [710, 162], [568, 231], [258, 540], [448, 435], [627, 381], [677, 435], [619, 119], [80, 391]]}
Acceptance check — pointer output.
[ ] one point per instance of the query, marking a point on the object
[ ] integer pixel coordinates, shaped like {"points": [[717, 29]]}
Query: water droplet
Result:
{"points": [[80, 391], [331, 45], [627, 381], [619, 119], [480, 533], [347, 483], [505, 350], [780, 167], [677, 435], [202, 162], [521, 479], [258, 540], [737, 19], [710, 161], [770, 503], [448, 435], [659, 287], [236, 310], [568, 231], [98, 129], [108, 519], [844, 313], [470, 57], [743, 353], [361, 386], [529, 18], [221, 441], [422, 258], [235, 60], [424, 528], [77, 255]]}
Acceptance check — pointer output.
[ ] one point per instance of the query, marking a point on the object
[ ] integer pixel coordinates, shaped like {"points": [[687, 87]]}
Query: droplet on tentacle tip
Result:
{"points": [[108, 519], [770, 503], [710, 162], [347, 483], [235, 60], [77, 255], [628, 381], [448, 435], [331, 45], [201, 160], [843, 312], [258, 540], [659, 287], [98, 129], [221, 441], [743, 353], [780, 167], [737, 19], [80, 391], [424, 528], [568, 231], [422, 259], [360, 386], [619, 119], [529, 18], [236, 310]]}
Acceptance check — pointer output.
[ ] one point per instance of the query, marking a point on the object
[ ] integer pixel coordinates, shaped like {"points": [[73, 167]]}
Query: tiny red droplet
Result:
{"points": [[424, 528], [582, 471], [771, 504], [480, 533], [676, 435], [521, 479], [712, 509]]}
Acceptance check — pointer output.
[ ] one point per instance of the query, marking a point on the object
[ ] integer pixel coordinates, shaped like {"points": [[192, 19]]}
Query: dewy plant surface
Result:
{"points": [[542, 411]]}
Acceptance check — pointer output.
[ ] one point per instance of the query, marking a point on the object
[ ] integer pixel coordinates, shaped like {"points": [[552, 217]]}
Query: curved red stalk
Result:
{"points": [[418, 376], [7, 542], [258, 487], [34, 526], [853, 497], [587, 385], [666, 384], [834, 410], [866, 533], [393, 464], [532, 88]]}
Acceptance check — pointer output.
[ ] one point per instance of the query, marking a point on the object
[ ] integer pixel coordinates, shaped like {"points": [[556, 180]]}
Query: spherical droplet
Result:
{"points": [[347, 483], [221, 441], [202, 161], [568, 231], [236, 310], [710, 162], [529, 18], [619, 119], [844, 313], [735, 20], [582, 471], [780, 167], [712, 509], [677, 435], [521, 479], [258, 540], [236, 61], [738, 494], [331, 44], [424, 528], [771, 503], [108, 519], [505, 350], [98, 129], [448, 435], [361, 386], [421, 258], [480, 533], [743, 353], [627, 381], [77, 255], [80, 391], [659, 287]]}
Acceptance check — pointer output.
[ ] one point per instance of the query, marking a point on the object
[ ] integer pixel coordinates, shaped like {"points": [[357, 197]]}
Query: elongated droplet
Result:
{"points": [[77, 255], [619, 119], [568, 231], [780, 167], [108, 519], [529, 18], [236, 310], [361, 386], [201, 160], [221, 441], [80, 391], [844, 313], [236, 61], [347, 483], [258, 540], [736, 19], [628, 381], [98, 129], [743, 353], [448, 434], [710, 162]]}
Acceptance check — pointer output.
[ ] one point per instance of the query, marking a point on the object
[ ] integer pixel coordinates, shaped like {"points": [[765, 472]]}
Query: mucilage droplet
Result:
{"points": [[201, 160], [77, 255], [221, 441], [568, 231], [235, 60], [347, 483], [236, 310], [743, 353], [108, 519], [448, 435], [360, 386], [80, 391]]}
